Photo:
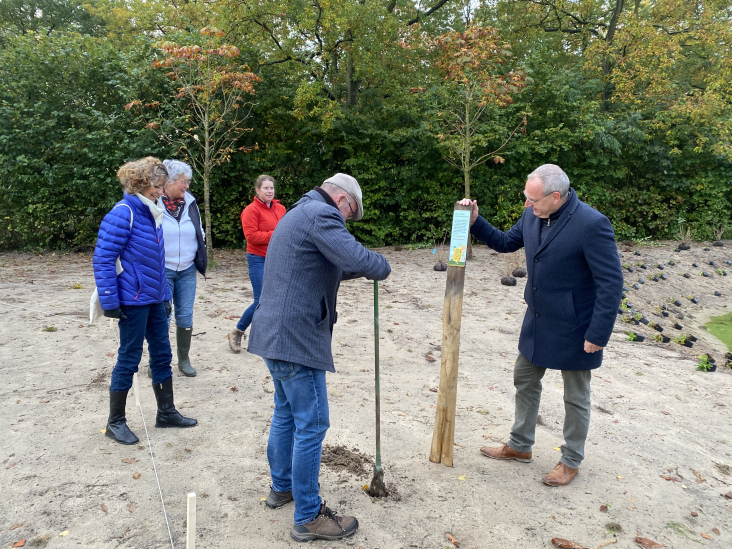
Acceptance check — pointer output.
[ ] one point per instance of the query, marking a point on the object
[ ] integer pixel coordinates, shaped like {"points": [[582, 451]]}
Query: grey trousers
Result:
{"points": [[527, 380]]}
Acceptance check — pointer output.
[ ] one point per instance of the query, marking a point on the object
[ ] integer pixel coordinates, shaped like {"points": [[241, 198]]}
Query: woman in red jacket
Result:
{"points": [[258, 220]]}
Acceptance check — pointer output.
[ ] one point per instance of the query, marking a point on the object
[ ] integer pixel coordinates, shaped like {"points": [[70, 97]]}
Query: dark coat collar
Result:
{"points": [[328, 199], [568, 210]]}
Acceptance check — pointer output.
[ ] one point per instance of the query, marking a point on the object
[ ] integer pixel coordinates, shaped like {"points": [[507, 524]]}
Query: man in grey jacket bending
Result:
{"points": [[311, 251]]}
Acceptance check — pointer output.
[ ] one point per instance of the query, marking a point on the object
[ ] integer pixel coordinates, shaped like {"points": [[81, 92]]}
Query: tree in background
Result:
{"points": [[204, 119], [476, 81]]}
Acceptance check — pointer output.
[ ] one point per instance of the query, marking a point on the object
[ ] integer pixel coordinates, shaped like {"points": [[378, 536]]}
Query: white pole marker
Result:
{"points": [[136, 387], [191, 530]]}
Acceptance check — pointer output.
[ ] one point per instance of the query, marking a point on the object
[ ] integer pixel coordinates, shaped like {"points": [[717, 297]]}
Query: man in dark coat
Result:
{"points": [[311, 251], [572, 294]]}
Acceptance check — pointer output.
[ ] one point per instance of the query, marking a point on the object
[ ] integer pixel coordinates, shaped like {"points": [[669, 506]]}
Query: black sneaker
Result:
{"points": [[275, 500], [325, 526]]}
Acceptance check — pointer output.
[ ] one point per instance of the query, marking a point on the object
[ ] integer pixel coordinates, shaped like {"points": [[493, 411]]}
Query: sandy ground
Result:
{"points": [[659, 453]]}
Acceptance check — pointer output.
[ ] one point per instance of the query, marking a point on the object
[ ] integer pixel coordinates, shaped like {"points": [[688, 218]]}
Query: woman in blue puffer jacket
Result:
{"points": [[129, 269]]}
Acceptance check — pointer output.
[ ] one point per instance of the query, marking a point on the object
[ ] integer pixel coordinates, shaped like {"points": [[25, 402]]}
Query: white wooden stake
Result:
{"points": [[191, 530], [136, 387]]}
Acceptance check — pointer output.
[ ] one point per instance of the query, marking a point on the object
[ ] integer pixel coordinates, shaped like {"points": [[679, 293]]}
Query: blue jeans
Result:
{"points": [[182, 286], [299, 423], [143, 322], [256, 271]]}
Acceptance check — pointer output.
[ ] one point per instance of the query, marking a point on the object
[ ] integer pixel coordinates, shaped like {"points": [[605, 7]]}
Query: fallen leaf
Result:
{"points": [[104, 508], [698, 476], [136, 475], [666, 413], [129, 460], [110, 354], [365, 486], [102, 431], [452, 540], [20, 543], [64, 533], [669, 478], [433, 390], [188, 450], [619, 477], [728, 495], [557, 449], [716, 531], [131, 506], [43, 401], [260, 499], [603, 508], [648, 543], [234, 389], [694, 514], [566, 544], [705, 536], [429, 358], [14, 526], [462, 477]]}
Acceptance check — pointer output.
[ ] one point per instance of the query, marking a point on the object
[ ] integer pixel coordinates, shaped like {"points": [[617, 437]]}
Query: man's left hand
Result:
{"points": [[169, 309], [591, 347]]}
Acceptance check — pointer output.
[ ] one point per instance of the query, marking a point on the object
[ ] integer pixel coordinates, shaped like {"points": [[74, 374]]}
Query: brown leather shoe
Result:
{"points": [[561, 475], [506, 452]]}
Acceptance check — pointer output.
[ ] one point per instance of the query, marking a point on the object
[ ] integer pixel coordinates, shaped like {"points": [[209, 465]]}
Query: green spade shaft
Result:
{"points": [[376, 375]]}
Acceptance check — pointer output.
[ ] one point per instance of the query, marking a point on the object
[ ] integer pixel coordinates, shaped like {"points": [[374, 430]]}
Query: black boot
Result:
{"points": [[117, 428], [183, 340], [168, 416]]}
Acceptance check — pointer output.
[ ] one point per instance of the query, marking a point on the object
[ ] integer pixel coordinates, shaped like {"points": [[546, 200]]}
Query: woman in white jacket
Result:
{"points": [[185, 253]]}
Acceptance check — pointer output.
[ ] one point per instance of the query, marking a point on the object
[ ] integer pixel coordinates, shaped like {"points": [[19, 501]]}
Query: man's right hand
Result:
{"points": [[474, 211], [115, 313]]}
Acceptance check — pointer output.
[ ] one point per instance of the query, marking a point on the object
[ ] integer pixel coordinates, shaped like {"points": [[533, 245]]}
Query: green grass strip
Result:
{"points": [[721, 328]]}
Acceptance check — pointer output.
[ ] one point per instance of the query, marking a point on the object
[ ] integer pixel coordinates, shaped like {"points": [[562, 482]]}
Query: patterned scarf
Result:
{"points": [[174, 207]]}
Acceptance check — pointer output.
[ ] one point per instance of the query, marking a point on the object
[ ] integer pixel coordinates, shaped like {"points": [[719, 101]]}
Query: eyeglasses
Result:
{"points": [[537, 200], [349, 206]]}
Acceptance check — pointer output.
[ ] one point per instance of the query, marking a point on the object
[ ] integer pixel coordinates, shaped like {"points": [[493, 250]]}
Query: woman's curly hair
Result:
{"points": [[138, 175]]}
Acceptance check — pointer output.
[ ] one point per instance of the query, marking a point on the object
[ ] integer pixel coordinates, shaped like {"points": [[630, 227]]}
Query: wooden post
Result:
{"points": [[191, 526], [136, 388], [443, 436]]}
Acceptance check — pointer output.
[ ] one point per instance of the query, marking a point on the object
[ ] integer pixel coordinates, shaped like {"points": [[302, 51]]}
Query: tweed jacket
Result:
{"points": [[574, 284], [309, 254], [141, 251]]}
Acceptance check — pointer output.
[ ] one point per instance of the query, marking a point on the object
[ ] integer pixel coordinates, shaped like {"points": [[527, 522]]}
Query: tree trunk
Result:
{"points": [[352, 86], [207, 191], [606, 65], [466, 170]]}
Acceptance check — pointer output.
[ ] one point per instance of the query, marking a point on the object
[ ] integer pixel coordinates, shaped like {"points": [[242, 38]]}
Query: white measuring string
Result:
{"points": [[160, 490]]}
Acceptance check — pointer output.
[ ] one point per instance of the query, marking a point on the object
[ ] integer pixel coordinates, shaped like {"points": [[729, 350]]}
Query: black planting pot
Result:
{"points": [[639, 338], [728, 356], [644, 266], [636, 286], [655, 279], [687, 275], [718, 243], [519, 273], [671, 262], [663, 277], [664, 313], [712, 263], [636, 252], [705, 274], [630, 306], [717, 294], [621, 311], [508, 281], [724, 273], [695, 265], [688, 344], [691, 338], [635, 322], [712, 369], [630, 269], [641, 281], [620, 256], [644, 320], [665, 339], [677, 303], [678, 326], [677, 249], [705, 249], [625, 289], [728, 262], [694, 300], [440, 266], [684, 246], [659, 328]]}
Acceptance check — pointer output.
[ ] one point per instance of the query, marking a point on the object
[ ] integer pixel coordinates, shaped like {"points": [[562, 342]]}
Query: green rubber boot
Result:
{"points": [[183, 340]]}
